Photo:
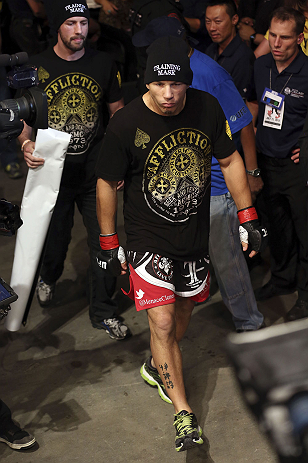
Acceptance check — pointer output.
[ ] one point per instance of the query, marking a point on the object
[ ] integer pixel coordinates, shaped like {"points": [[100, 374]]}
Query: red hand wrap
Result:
{"points": [[247, 215], [109, 242]]}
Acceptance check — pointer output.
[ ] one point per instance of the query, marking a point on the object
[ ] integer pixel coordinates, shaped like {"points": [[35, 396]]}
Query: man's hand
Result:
{"points": [[108, 7], [256, 185], [295, 155], [31, 161], [245, 31], [111, 258], [251, 232]]}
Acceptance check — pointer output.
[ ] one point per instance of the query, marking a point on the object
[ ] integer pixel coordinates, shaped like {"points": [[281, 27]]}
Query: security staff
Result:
{"points": [[281, 81], [228, 49]]}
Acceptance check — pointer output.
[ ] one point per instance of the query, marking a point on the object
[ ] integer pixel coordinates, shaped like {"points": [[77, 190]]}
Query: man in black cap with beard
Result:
{"points": [[161, 144], [82, 86]]}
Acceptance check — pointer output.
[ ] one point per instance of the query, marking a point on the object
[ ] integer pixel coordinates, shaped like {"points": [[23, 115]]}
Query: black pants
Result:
{"points": [[59, 236], [286, 200], [6, 422]]}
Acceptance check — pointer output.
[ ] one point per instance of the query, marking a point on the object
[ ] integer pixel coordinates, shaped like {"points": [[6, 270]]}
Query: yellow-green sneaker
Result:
{"points": [[188, 432], [151, 376]]}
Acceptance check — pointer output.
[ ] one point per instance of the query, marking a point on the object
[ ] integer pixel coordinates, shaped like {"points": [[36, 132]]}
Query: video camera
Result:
{"points": [[31, 106], [7, 296], [271, 366]]}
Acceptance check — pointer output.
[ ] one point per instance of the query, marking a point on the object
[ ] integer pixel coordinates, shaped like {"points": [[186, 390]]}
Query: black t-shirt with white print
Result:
{"points": [[77, 93], [166, 164]]}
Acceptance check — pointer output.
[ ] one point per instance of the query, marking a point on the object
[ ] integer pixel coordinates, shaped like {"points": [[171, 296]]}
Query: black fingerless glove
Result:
{"points": [[250, 229], [110, 257]]}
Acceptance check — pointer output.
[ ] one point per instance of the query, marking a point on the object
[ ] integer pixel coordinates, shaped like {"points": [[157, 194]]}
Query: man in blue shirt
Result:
{"points": [[225, 249]]}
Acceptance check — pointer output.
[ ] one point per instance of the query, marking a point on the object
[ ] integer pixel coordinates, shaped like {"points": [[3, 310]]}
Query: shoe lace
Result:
{"points": [[114, 324], [45, 287], [183, 425]]}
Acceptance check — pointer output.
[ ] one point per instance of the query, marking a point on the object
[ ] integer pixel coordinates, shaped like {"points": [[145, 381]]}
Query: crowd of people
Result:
{"points": [[212, 143]]}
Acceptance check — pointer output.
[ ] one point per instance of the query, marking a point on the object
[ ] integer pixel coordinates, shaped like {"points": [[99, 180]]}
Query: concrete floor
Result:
{"points": [[80, 393]]}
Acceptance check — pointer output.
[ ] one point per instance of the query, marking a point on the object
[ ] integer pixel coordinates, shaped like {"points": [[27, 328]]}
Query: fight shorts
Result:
{"points": [[156, 280]]}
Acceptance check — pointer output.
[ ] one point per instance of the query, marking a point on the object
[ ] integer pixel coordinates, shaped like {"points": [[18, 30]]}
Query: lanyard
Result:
{"points": [[284, 84]]}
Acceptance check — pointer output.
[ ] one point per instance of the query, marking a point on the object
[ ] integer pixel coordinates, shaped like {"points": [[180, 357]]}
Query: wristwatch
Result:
{"points": [[255, 172]]}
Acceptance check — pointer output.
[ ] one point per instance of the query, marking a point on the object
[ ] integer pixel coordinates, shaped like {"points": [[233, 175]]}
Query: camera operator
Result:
{"points": [[10, 433]]}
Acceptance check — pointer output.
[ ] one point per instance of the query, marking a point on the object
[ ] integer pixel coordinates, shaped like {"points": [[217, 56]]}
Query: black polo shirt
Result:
{"points": [[293, 83], [238, 59]]}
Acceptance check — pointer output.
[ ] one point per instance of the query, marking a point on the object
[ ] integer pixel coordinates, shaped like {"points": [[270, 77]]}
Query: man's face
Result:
{"points": [[168, 97], [283, 40], [73, 33], [220, 26]]}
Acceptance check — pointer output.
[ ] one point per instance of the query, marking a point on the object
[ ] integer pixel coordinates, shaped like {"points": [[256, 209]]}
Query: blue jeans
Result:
{"points": [[229, 264], [101, 287]]}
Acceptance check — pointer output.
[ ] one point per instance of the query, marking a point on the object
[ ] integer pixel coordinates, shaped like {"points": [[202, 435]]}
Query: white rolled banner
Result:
{"points": [[39, 198]]}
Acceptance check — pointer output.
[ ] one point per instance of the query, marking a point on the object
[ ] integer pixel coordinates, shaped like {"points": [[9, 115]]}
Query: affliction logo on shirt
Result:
{"points": [[73, 108], [176, 174]]}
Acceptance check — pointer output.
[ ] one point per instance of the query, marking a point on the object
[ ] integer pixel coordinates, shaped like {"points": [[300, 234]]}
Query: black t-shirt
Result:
{"points": [[77, 93], [166, 164], [238, 59], [292, 82]]}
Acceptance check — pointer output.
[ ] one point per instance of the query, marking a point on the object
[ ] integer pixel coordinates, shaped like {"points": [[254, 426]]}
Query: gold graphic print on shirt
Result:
{"points": [[141, 138], [73, 108], [177, 174], [42, 74]]}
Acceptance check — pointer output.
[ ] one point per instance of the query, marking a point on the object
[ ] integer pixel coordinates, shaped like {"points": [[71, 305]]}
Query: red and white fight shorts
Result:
{"points": [[156, 280]]}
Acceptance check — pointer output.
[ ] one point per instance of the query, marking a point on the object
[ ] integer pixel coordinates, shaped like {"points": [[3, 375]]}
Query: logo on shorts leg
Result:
{"points": [[139, 294], [194, 281], [156, 301], [162, 267]]}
